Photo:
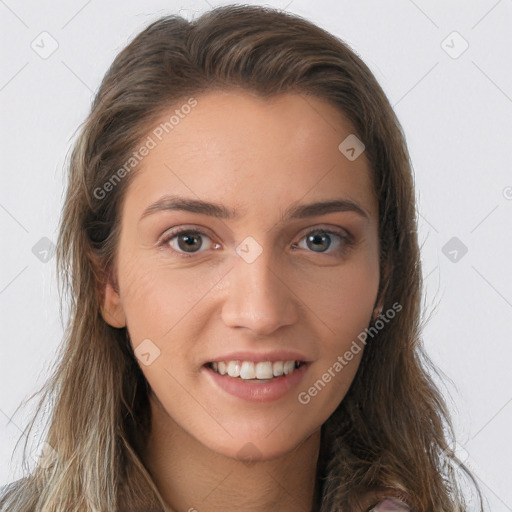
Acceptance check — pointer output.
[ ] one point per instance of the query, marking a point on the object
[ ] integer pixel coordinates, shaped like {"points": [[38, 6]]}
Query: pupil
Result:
{"points": [[189, 241], [318, 239]]}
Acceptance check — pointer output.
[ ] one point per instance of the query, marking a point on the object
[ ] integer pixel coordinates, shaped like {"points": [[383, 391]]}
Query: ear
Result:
{"points": [[111, 309], [107, 293], [379, 301]]}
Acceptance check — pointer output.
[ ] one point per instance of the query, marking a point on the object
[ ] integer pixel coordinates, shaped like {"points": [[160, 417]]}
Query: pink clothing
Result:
{"points": [[390, 505]]}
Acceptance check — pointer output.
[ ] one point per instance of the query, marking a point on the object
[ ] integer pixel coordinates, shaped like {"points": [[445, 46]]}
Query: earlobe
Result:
{"points": [[376, 313], [107, 293], [379, 301], [111, 309]]}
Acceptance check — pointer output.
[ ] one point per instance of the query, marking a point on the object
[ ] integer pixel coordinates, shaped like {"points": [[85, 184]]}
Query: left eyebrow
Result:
{"points": [[177, 203], [303, 211]]}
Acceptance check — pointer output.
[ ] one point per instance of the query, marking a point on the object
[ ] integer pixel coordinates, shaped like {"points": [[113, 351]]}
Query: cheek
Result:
{"points": [[344, 305], [344, 299], [156, 308], [143, 300], [166, 306], [156, 296]]}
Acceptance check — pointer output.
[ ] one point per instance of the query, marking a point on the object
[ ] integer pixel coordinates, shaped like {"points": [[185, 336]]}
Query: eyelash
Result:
{"points": [[346, 240]]}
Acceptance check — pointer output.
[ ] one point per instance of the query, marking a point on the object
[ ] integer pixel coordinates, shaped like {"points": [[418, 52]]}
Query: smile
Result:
{"points": [[261, 381], [249, 370]]}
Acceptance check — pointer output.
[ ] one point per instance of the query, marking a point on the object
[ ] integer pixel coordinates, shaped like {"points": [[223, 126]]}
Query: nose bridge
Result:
{"points": [[258, 296]]}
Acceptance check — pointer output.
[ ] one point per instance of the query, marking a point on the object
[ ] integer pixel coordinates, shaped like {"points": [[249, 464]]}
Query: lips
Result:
{"points": [[256, 390], [257, 367], [255, 357]]}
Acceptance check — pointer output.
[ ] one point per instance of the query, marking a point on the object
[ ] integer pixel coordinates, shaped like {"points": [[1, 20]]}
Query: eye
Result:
{"points": [[184, 241], [321, 240]]}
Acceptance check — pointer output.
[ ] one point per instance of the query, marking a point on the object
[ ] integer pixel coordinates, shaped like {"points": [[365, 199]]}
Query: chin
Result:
{"points": [[247, 447]]}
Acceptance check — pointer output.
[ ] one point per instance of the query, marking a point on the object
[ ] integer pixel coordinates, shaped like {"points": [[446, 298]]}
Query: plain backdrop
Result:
{"points": [[446, 69]]}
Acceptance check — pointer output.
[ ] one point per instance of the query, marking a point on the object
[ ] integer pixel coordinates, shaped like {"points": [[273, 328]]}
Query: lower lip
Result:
{"points": [[255, 391]]}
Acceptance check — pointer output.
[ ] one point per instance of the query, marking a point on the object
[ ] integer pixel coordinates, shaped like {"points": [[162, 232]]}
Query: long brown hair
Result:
{"points": [[392, 429]]}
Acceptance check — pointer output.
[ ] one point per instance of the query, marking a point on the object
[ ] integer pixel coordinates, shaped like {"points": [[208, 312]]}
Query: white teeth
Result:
{"points": [[234, 368], [264, 370], [221, 367], [277, 368], [248, 370], [288, 367]]}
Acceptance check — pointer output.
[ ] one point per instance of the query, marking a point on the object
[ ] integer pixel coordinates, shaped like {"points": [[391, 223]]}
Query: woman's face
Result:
{"points": [[263, 273]]}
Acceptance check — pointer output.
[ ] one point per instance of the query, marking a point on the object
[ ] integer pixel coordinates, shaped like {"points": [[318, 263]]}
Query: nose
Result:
{"points": [[258, 296]]}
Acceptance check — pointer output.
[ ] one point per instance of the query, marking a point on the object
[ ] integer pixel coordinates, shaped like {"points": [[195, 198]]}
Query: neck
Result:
{"points": [[193, 478]]}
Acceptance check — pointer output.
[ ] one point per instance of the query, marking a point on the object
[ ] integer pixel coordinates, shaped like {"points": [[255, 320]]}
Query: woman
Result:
{"points": [[239, 243]]}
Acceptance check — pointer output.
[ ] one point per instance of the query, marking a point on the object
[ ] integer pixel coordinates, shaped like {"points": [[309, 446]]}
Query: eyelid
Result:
{"points": [[170, 233], [344, 233], [175, 231]]}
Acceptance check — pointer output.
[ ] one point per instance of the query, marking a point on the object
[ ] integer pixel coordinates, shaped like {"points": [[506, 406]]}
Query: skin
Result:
{"points": [[259, 157]]}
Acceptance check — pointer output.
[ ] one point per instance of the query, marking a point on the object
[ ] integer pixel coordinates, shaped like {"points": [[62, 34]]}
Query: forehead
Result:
{"points": [[236, 147]]}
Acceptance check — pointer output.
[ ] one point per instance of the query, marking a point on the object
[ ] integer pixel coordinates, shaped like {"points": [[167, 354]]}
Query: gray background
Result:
{"points": [[455, 107]]}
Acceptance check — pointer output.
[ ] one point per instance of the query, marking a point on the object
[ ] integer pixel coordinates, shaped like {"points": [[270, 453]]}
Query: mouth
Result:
{"points": [[252, 371], [261, 381]]}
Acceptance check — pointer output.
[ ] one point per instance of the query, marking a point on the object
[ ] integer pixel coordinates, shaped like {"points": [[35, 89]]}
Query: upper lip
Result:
{"points": [[277, 355]]}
